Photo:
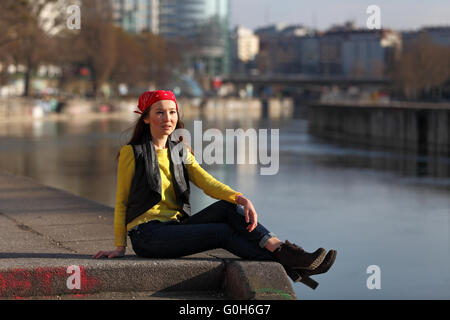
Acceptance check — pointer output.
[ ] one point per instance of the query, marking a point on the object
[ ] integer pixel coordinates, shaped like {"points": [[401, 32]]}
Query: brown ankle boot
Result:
{"points": [[324, 266], [293, 256], [303, 275]]}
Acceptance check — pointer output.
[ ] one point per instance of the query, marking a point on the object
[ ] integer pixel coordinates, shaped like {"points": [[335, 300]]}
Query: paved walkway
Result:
{"points": [[44, 231]]}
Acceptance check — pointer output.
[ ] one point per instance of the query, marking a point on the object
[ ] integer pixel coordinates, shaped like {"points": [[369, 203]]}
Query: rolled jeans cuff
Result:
{"points": [[263, 241]]}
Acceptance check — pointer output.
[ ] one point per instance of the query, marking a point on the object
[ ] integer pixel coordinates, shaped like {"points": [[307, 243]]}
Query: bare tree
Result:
{"points": [[129, 67], [423, 67], [12, 17], [95, 45], [28, 25], [25, 33], [160, 57], [32, 32]]}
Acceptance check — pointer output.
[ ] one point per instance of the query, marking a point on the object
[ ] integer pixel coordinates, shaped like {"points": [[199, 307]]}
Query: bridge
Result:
{"points": [[302, 80]]}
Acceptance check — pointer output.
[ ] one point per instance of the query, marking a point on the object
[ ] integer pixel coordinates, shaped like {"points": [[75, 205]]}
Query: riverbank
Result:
{"points": [[27, 109], [420, 128], [48, 237]]}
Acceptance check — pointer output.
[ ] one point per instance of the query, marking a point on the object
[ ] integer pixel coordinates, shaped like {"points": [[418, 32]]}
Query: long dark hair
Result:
{"points": [[141, 129]]}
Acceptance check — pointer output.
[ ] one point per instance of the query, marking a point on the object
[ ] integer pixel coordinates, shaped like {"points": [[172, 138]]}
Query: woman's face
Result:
{"points": [[162, 118]]}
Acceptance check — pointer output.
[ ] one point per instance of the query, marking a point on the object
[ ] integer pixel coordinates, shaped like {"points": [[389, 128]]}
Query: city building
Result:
{"points": [[438, 35], [136, 15], [244, 49], [343, 50], [369, 53], [330, 52], [309, 57], [281, 48], [358, 52]]}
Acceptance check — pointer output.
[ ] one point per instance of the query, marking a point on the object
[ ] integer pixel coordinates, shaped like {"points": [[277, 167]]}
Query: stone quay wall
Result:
{"points": [[419, 128]]}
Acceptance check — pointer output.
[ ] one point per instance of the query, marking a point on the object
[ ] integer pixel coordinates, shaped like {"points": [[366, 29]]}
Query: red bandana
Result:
{"points": [[150, 97]]}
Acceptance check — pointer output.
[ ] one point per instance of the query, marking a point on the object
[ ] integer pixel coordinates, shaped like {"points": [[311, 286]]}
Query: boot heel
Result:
{"points": [[306, 280], [293, 274], [298, 276]]}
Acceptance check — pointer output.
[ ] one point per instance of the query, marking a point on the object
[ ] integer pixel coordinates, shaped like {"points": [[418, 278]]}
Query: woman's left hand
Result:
{"points": [[250, 215]]}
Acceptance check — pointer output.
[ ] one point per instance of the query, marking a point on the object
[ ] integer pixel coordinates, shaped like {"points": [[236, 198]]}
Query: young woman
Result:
{"points": [[152, 202]]}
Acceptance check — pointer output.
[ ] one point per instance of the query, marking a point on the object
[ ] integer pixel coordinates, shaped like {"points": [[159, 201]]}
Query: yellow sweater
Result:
{"points": [[167, 209]]}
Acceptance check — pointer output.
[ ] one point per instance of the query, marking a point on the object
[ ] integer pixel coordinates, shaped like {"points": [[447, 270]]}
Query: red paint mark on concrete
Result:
{"points": [[46, 277], [88, 283], [17, 282], [43, 281]]}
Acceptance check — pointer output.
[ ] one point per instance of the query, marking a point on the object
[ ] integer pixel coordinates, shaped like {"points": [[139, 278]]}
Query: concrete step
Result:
{"points": [[132, 295], [233, 278]]}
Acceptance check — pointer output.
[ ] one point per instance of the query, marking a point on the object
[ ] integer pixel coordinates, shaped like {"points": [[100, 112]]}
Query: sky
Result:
{"points": [[321, 14]]}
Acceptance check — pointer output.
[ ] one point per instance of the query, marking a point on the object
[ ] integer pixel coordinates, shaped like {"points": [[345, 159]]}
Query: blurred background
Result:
{"points": [[363, 114], [122, 47]]}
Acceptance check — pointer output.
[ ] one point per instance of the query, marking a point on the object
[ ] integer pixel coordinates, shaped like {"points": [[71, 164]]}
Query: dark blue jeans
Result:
{"points": [[220, 225]]}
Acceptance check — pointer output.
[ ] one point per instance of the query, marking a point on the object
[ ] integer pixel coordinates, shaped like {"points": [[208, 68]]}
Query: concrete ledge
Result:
{"points": [[44, 231], [49, 277], [257, 280], [243, 280]]}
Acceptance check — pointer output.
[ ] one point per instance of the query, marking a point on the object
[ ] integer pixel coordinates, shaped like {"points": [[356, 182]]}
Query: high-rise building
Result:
{"points": [[136, 15], [203, 25]]}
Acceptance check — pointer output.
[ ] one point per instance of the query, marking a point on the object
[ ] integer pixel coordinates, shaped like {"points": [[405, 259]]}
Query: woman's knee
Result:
{"points": [[231, 207], [221, 209], [226, 204]]}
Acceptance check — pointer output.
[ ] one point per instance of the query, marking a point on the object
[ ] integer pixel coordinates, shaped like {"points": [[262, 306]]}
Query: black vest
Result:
{"points": [[145, 191]]}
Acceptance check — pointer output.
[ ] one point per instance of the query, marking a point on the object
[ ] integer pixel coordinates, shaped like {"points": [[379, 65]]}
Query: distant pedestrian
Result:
{"points": [[153, 206]]}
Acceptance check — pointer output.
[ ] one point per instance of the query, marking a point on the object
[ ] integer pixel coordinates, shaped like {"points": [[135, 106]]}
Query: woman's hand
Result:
{"points": [[119, 252], [249, 212]]}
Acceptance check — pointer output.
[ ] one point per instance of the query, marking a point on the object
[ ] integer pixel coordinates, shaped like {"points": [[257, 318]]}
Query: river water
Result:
{"points": [[377, 208]]}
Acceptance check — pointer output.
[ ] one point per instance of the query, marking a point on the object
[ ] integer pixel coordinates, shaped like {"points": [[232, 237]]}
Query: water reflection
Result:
{"points": [[375, 207]]}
